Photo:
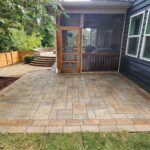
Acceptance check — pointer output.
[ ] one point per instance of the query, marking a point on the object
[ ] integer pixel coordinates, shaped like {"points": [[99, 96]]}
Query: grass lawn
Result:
{"points": [[76, 141]]}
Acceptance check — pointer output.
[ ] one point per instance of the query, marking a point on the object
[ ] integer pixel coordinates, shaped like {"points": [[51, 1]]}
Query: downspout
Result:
{"points": [[122, 39]]}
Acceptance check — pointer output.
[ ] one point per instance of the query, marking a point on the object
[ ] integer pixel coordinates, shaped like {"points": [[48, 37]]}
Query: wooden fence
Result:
{"points": [[12, 57], [100, 62]]}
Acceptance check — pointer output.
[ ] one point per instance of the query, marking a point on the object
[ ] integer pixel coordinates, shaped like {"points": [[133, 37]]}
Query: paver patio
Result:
{"points": [[43, 101], [19, 69]]}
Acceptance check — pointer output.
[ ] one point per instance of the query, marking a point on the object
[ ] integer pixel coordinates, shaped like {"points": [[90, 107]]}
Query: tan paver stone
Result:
{"points": [[130, 116], [124, 121], [79, 108], [70, 129], [117, 116], [85, 100], [125, 109], [53, 114], [80, 116], [141, 121], [142, 127], [91, 114], [90, 128], [59, 105], [83, 94], [69, 105], [92, 106], [74, 122], [4, 129], [54, 129], [6, 122], [108, 128], [42, 115], [41, 123], [106, 116], [91, 122], [24, 115], [129, 128], [35, 129], [107, 122], [101, 112], [17, 129], [57, 122], [64, 114], [22, 123]]}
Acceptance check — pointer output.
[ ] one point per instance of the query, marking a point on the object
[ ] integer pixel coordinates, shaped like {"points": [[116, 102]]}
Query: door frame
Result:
{"points": [[61, 29]]}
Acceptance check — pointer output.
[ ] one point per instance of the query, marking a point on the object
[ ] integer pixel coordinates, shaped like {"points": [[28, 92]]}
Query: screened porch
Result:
{"points": [[101, 37]]}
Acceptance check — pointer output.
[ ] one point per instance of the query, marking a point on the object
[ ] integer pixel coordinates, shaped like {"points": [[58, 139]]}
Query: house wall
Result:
{"points": [[136, 69]]}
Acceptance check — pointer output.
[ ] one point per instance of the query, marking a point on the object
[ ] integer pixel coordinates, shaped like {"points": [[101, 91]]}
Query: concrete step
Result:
{"points": [[41, 65], [44, 57], [43, 61]]}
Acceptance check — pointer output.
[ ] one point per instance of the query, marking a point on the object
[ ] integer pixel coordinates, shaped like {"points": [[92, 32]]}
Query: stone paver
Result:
{"points": [[35, 129], [91, 128], [19, 69], [54, 129], [17, 129], [129, 128], [70, 129], [43, 101], [108, 129]]}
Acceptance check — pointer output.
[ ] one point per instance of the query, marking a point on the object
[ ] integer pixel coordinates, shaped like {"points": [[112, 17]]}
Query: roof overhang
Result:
{"points": [[94, 6]]}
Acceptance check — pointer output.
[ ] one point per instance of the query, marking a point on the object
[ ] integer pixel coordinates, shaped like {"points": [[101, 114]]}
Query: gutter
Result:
{"points": [[95, 4]]}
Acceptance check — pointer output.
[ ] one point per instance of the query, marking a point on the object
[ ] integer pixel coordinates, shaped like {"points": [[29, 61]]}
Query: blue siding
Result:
{"points": [[134, 68]]}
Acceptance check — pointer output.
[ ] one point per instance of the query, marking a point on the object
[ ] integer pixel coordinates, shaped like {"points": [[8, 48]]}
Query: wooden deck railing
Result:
{"points": [[100, 61]]}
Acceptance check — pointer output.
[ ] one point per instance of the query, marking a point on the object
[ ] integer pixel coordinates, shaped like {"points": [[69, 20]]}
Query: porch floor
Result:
{"points": [[43, 101]]}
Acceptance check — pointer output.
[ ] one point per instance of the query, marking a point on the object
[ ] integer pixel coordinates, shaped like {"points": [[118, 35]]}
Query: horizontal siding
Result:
{"points": [[134, 68]]}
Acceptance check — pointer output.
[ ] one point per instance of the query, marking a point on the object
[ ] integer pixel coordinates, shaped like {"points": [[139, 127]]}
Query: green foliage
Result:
{"points": [[5, 43], [49, 38], [23, 42], [76, 141], [28, 59], [30, 15]]}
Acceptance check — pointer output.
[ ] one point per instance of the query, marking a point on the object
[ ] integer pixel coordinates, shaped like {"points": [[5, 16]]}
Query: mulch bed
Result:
{"points": [[5, 81]]}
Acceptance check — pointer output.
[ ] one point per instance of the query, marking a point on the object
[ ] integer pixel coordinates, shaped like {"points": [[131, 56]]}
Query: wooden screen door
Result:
{"points": [[70, 50]]}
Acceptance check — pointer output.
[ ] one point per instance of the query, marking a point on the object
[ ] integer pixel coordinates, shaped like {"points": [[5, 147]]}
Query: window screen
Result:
{"points": [[70, 20], [102, 32]]}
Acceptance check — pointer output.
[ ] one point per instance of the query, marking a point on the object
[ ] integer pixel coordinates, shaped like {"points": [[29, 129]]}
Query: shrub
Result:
{"points": [[28, 59], [23, 42]]}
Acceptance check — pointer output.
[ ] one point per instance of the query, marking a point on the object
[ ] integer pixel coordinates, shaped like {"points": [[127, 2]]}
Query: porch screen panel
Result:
{"points": [[102, 36], [71, 20]]}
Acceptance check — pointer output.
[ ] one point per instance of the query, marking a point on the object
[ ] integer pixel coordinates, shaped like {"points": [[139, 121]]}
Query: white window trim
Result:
{"points": [[131, 36], [144, 39]]}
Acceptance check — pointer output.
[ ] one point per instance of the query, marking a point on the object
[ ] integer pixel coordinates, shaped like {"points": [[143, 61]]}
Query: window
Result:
{"points": [[145, 53], [134, 34]]}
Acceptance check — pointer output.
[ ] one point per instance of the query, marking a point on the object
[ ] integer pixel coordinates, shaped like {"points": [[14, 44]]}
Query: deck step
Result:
{"points": [[43, 61]]}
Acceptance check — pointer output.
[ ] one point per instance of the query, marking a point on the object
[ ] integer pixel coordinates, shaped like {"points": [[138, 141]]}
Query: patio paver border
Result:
{"points": [[69, 126]]}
